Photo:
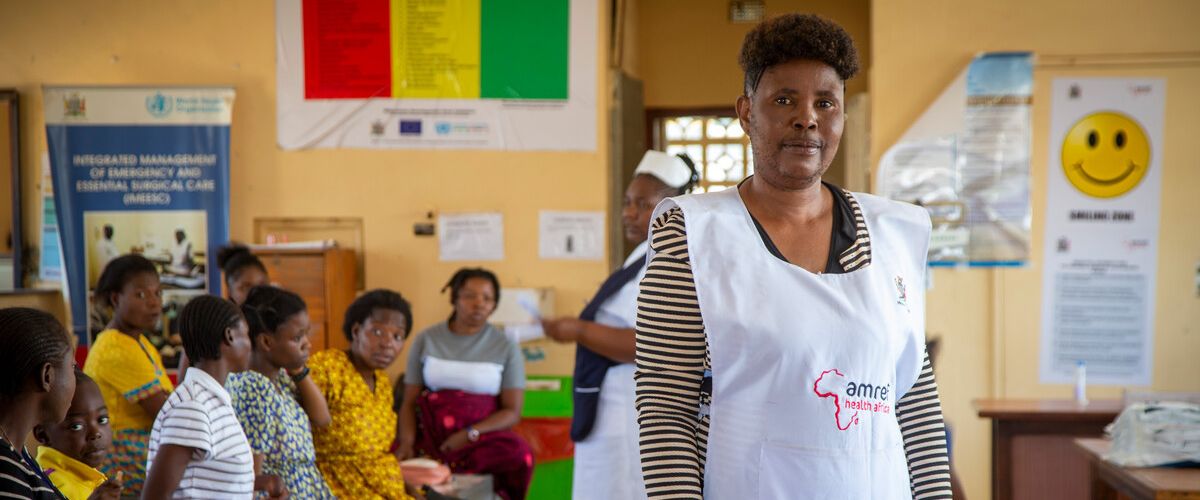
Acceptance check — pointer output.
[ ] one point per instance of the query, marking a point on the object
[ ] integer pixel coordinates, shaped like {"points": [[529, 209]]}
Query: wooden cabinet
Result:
{"points": [[326, 280]]}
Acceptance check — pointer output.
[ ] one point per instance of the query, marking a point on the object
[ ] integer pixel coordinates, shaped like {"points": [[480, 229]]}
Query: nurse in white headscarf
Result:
{"points": [[604, 426]]}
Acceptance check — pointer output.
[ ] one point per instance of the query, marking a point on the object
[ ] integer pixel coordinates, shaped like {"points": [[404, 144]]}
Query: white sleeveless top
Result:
{"points": [[807, 368]]}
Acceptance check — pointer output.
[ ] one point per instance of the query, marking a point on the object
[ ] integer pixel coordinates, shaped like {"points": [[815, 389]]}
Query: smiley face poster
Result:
{"points": [[1102, 221]]}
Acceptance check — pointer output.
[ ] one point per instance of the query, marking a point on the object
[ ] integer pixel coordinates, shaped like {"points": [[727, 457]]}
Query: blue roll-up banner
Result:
{"points": [[140, 170]]}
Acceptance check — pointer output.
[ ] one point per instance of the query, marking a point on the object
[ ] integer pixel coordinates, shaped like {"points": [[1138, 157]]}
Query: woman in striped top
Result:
{"points": [[780, 328], [197, 447], [37, 382]]}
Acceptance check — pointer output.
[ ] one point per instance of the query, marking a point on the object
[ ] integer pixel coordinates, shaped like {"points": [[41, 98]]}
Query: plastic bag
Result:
{"points": [[1154, 434]]}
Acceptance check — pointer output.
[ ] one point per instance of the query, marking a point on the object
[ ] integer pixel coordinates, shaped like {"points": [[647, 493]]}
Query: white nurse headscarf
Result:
{"points": [[667, 168]]}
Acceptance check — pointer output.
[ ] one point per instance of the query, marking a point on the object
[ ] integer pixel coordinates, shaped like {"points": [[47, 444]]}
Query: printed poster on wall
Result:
{"points": [[1101, 240], [50, 269], [571, 235], [966, 160], [145, 171], [454, 74], [471, 236]]}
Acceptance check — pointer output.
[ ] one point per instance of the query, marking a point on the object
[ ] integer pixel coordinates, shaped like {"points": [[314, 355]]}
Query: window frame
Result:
{"points": [[656, 137]]}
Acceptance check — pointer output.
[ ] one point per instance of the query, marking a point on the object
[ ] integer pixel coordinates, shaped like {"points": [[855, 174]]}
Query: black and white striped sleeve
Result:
{"points": [[924, 432], [188, 424], [671, 363]]}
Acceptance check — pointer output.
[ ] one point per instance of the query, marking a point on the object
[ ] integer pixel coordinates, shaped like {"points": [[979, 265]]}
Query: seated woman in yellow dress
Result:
{"points": [[126, 366], [354, 452]]}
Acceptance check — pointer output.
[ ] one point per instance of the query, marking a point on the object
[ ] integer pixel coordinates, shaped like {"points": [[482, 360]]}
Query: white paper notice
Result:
{"points": [[966, 160], [478, 236], [1101, 241], [571, 235]]}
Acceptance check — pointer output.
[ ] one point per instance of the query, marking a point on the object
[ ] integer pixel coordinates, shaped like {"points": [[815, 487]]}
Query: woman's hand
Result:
{"points": [[109, 490], [455, 441], [564, 329], [272, 485], [404, 451]]}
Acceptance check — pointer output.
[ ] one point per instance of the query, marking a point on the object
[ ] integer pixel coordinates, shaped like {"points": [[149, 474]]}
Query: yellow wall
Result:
{"points": [[199, 42], [990, 320], [686, 51]]}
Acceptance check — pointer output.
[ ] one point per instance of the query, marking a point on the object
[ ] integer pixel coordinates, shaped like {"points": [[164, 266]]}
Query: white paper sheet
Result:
{"points": [[571, 235], [471, 236]]}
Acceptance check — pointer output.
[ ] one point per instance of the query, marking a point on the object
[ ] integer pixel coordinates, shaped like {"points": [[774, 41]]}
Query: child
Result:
{"points": [[275, 400], [197, 447], [36, 385], [75, 448], [126, 366]]}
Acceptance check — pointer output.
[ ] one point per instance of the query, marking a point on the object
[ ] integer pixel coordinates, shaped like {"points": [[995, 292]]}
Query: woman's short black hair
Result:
{"points": [[796, 36], [29, 339], [367, 303], [460, 278], [235, 258], [202, 326], [117, 273], [266, 307]]}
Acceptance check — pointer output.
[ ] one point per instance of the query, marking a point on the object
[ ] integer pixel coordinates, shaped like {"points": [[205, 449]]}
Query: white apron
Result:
{"points": [[608, 463], [807, 368]]}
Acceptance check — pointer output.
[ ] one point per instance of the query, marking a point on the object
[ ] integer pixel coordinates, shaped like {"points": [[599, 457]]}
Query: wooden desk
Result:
{"points": [[1033, 454], [1148, 483]]}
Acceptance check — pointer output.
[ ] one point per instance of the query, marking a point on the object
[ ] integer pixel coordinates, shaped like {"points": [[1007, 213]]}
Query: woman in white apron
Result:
{"points": [[780, 329], [604, 425]]}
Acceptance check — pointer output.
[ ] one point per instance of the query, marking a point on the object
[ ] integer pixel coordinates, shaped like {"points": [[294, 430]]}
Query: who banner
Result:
{"points": [[140, 170]]}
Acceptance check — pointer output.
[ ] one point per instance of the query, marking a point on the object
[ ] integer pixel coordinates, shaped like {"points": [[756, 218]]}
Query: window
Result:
{"points": [[715, 142]]}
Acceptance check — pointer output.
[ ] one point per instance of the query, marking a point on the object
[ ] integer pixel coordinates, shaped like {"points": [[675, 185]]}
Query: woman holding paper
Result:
{"points": [[604, 426]]}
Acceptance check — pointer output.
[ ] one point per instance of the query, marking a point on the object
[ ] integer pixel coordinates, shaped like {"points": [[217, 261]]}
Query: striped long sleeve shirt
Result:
{"points": [[673, 358]]}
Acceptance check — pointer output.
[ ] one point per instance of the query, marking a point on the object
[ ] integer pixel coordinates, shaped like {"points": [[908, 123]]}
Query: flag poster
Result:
{"points": [[453, 74]]}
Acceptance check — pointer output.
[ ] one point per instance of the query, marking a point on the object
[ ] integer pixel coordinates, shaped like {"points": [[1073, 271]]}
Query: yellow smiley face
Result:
{"points": [[1105, 154]]}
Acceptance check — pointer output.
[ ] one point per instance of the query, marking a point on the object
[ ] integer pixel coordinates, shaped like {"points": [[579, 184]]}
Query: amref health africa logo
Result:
{"points": [[851, 398]]}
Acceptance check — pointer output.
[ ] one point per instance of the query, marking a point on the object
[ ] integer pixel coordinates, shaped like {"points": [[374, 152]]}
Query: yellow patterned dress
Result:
{"points": [[353, 453], [127, 370]]}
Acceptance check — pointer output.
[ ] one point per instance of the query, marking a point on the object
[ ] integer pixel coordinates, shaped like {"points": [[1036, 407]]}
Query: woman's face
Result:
{"points": [[237, 350], [642, 195], [139, 303], [289, 345], [378, 339], [249, 277], [60, 389], [475, 302], [795, 120]]}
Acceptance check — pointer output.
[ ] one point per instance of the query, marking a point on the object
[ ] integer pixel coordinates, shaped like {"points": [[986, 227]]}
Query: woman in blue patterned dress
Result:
{"points": [[275, 400]]}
